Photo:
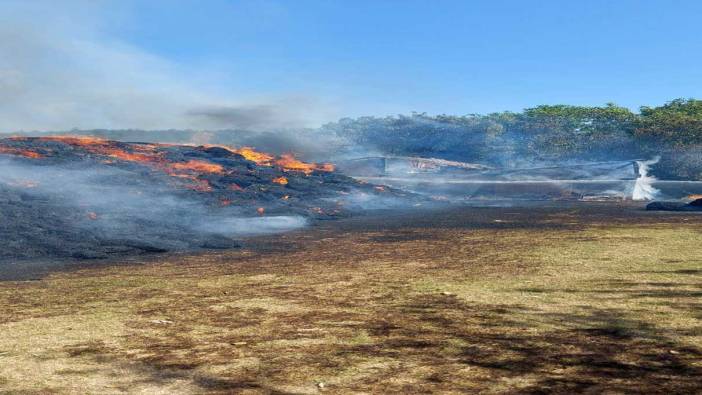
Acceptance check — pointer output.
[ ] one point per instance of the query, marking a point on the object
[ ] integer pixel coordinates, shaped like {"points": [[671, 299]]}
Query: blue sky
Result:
{"points": [[351, 58]]}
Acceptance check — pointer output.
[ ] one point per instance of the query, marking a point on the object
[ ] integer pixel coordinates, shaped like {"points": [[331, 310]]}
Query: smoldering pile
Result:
{"points": [[667, 205], [86, 197]]}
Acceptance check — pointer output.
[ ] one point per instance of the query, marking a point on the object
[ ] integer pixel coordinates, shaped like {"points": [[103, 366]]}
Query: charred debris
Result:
{"points": [[85, 197]]}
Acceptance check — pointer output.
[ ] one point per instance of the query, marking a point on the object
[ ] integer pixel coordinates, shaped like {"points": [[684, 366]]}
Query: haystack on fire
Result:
{"points": [[87, 197]]}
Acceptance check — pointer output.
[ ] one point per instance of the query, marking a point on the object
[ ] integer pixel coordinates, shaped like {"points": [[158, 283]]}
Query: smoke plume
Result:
{"points": [[60, 69], [87, 211]]}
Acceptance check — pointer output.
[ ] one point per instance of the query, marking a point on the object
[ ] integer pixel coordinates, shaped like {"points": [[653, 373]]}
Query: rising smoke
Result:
{"points": [[643, 188], [60, 69], [112, 208]]}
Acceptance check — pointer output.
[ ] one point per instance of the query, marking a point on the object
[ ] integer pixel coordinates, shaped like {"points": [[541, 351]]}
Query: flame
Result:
{"points": [[285, 161], [280, 180], [108, 148], [155, 157], [129, 156], [76, 140], [290, 163], [260, 158], [20, 152], [146, 154], [328, 167], [198, 166]]}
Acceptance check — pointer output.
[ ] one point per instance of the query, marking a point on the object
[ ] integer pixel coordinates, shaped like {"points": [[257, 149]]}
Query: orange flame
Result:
{"points": [[150, 155], [280, 180], [101, 146], [285, 161], [328, 167], [20, 152], [198, 166], [146, 154], [290, 163], [77, 140], [249, 153]]}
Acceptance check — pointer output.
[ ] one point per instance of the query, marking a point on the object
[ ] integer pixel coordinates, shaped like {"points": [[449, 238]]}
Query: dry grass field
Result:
{"points": [[577, 298]]}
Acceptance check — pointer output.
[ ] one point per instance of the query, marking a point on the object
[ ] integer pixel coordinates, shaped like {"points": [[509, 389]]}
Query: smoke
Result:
{"points": [[493, 156], [359, 201], [309, 144], [61, 69], [643, 188], [101, 206], [251, 226], [280, 113]]}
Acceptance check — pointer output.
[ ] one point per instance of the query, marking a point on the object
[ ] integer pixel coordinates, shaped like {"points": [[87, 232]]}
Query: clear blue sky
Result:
{"points": [[131, 63], [436, 56]]}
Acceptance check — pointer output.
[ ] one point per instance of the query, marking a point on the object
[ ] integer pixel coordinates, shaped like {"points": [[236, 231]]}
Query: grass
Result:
{"points": [[560, 302]]}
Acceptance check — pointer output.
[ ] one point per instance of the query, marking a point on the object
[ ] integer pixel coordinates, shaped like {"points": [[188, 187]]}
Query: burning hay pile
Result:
{"points": [[85, 197]]}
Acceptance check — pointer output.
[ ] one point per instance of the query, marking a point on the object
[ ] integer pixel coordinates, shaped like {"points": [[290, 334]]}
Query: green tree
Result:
{"points": [[563, 131], [677, 123]]}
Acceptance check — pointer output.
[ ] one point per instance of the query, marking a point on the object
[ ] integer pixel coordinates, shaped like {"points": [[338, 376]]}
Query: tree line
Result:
{"points": [[546, 133]]}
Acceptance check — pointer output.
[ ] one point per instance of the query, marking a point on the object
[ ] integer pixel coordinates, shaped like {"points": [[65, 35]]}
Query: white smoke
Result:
{"points": [[251, 226], [60, 68], [643, 187], [123, 204]]}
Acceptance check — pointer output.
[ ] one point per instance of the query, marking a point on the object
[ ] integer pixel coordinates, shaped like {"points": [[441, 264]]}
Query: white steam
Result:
{"points": [[643, 187]]}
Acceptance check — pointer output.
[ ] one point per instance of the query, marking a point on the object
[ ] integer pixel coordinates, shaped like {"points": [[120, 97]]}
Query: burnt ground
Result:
{"points": [[70, 198], [563, 297]]}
